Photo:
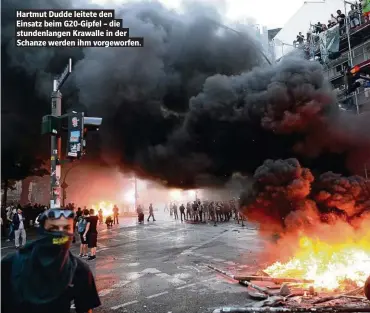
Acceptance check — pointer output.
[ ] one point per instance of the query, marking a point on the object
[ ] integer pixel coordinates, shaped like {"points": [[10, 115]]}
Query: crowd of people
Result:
{"points": [[358, 15], [203, 211], [17, 219]]}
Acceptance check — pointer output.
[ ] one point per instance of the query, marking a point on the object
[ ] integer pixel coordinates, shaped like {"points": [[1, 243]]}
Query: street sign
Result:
{"points": [[63, 77], [75, 135]]}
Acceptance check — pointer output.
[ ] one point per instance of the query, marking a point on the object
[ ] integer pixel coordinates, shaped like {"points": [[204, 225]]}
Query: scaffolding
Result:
{"points": [[350, 60]]}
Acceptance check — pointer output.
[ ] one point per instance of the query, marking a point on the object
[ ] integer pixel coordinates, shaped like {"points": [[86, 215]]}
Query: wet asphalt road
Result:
{"points": [[161, 266]]}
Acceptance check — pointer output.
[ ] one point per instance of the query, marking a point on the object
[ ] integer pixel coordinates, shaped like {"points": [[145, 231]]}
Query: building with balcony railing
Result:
{"points": [[338, 48], [353, 52]]}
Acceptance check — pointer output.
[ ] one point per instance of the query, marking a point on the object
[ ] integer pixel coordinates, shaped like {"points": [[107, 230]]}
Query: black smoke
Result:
{"points": [[195, 105], [287, 197]]}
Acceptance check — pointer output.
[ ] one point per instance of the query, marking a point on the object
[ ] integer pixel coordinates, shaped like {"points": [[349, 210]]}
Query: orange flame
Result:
{"points": [[106, 206], [329, 265]]}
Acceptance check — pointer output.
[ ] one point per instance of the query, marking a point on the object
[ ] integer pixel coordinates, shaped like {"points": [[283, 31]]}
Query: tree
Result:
{"points": [[17, 166]]}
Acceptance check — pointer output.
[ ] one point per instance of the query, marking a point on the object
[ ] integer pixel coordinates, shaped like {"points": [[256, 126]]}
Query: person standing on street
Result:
{"points": [[19, 228], [151, 212], [101, 217], [91, 234], [45, 277], [81, 227], [182, 212], [115, 214], [175, 213], [188, 211], [11, 211]]}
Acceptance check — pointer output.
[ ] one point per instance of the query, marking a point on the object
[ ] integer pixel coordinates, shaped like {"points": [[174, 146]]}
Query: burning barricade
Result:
{"points": [[321, 227]]}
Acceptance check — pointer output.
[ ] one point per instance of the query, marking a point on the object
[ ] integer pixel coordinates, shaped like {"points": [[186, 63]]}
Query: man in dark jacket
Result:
{"points": [[182, 212], [19, 228], [44, 276]]}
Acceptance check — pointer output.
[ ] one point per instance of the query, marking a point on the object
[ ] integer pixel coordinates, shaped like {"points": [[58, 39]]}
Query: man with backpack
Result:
{"points": [[81, 227]]}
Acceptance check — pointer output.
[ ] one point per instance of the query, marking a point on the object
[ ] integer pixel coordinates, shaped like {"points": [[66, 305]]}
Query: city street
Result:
{"points": [[162, 266]]}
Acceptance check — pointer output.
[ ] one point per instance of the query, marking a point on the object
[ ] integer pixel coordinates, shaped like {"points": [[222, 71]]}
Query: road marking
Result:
{"points": [[157, 295], [133, 264], [186, 286], [193, 284], [188, 267], [101, 246], [163, 275], [102, 249], [104, 292], [219, 260], [6, 247], [173, 280], [123, 305], [150, 271], [206, 256], [135, 275], [230, 263], [121, 284], [115, 239]]}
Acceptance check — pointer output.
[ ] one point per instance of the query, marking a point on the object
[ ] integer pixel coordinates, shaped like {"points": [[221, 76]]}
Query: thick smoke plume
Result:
{"points": [[286, 197], [195, 105], [198, 104]]}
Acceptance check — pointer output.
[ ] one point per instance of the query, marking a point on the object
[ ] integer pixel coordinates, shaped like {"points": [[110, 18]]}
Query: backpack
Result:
{"points": [[81, 225]]}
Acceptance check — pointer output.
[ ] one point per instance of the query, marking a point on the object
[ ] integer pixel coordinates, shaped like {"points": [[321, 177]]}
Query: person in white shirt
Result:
{"points": [[19, 229]]}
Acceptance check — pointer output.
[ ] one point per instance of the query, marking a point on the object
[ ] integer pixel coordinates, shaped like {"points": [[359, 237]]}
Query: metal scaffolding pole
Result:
{"points": [[350, 58]]}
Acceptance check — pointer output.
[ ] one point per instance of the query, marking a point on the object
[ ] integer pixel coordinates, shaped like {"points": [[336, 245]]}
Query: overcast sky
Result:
{"points": [[271, 13]]}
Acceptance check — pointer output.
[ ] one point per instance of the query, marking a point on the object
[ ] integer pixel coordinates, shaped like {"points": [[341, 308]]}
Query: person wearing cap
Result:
{"points": [[44, 276]]}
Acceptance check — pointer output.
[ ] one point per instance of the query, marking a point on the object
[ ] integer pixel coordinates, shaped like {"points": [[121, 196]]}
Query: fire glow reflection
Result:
{"points": [[331, 266]]}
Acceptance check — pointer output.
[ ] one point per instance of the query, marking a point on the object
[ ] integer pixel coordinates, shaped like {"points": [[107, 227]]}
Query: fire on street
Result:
{"points": [[168, 266]]}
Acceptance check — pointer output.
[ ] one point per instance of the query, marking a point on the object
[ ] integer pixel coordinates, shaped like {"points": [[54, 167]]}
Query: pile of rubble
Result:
{"points": [[296, 295]]}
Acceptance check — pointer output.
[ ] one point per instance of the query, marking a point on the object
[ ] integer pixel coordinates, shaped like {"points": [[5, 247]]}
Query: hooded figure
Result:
{"points": [[44, 276]]}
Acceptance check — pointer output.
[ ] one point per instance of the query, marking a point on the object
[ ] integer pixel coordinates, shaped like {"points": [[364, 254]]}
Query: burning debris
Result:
{"points": [[296, 295], [322, 224]]}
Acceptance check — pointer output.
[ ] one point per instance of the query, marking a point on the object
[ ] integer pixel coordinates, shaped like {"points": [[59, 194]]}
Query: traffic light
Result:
{"points": [[78, 126], [90, 124], [51, 125]]}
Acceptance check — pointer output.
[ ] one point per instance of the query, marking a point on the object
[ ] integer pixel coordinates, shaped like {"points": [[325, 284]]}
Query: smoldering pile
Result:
{"points": [[291, 198]]}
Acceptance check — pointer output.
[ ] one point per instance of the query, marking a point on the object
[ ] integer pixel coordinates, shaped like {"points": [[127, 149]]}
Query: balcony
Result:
{"points": [[360, 54], [348, 103]]}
